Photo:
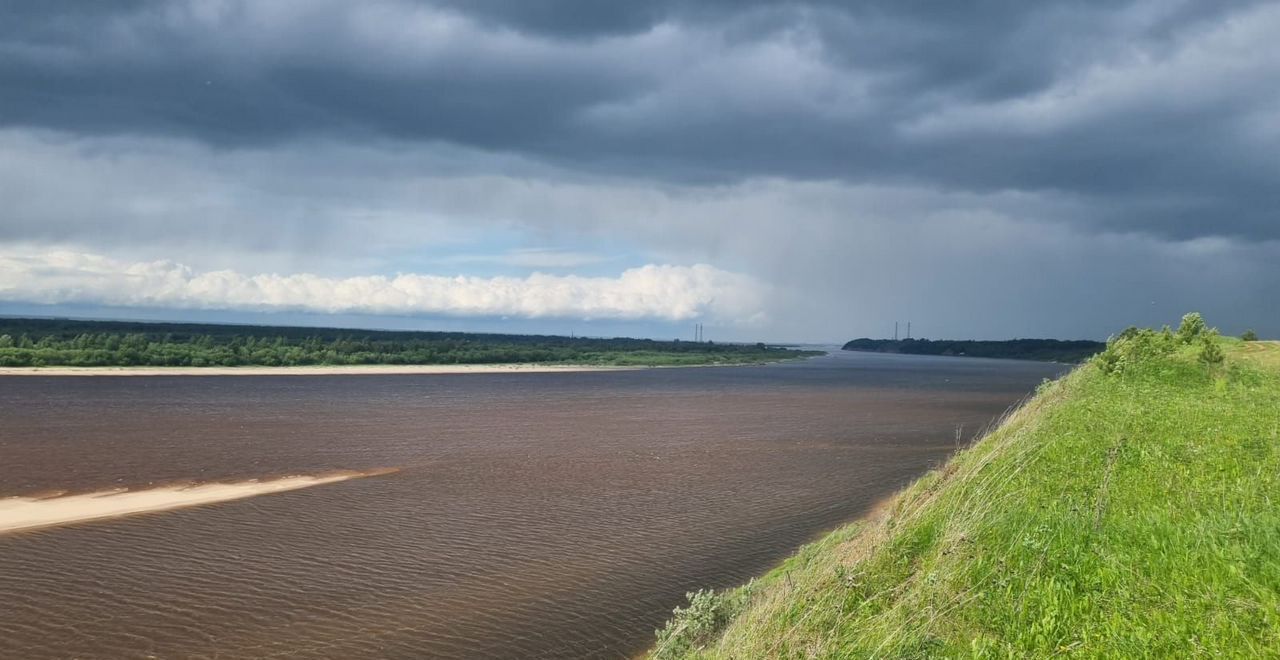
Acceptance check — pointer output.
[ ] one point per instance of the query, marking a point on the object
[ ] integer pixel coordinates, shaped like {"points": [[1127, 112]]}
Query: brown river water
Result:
{"points": [[533, 514]]}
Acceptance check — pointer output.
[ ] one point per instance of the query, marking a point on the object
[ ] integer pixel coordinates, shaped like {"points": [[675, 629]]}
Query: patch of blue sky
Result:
{"points": [[510, 253]]}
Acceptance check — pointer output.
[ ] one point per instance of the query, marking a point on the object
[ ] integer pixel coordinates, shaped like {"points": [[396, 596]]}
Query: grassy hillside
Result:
{"points": [[1131, 509]]}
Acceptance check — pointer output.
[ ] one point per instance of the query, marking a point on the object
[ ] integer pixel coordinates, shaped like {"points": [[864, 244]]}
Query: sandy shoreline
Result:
{"points": [[24, 513], [342, 370]]}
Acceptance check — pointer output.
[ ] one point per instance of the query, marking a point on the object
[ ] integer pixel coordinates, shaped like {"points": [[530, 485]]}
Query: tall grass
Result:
{"points": [[1121, 512]]}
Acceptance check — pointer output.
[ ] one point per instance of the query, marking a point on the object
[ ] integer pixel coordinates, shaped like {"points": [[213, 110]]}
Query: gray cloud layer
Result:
{"points": [[1064, 162]]}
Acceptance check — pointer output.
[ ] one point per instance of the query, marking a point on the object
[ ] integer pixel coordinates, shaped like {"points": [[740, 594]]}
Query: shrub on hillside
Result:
{"points": [[1191, 328], [1128, 333], [690, 627], [1210, 352], [1249, 335], [1133, 346]]}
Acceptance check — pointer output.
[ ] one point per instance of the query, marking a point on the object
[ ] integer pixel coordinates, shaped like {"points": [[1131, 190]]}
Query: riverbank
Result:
{"points": [[1039, 350], [362, 369], [329, 370], [92, 344], [1127, 510]]}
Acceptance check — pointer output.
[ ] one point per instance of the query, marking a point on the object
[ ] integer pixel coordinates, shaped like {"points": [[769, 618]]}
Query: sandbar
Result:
{"points": [[25, 513]]}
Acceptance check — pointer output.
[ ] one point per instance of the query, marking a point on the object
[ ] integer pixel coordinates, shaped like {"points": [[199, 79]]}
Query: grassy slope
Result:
{"points": [[1127, 515]]}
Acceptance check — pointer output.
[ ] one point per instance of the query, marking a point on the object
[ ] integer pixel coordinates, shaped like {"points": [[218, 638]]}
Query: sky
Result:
{"points": [[778, 171]]}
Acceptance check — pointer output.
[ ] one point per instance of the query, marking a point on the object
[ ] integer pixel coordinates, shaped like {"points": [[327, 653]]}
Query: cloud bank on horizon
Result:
{"points": [[671, 293], [785, 170]]}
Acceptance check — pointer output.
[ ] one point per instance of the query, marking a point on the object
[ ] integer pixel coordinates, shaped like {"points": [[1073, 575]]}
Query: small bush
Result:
{"points": [[1249, 335], [1134, 346], [1210, 352], [1191, 328], [706, 615]]}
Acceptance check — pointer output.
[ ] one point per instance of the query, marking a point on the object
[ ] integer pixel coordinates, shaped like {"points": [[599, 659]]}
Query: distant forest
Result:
{"points": [[59, 342], [1044, 350]]}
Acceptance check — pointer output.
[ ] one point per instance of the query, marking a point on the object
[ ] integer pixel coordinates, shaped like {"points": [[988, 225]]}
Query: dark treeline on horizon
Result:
{"points": [[1044, 350], [63, 342]]}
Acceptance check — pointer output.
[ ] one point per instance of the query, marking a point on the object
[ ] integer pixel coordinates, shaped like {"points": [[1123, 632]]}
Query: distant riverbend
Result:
{"points": [[533, 514]]}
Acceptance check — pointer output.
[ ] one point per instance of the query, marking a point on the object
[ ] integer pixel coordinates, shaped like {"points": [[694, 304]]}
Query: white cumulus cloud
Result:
{"points": [[662, 292]]}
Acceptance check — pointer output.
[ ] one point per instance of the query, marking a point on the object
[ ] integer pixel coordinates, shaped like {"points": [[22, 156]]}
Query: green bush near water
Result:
{"points": [[704, 617], [1127, 511]]}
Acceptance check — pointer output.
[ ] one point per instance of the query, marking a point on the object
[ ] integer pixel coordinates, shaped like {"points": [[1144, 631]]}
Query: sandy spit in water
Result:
{"points": [[23, 513]]}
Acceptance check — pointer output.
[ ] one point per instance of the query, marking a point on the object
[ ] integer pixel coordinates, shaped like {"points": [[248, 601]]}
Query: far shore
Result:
{"points": [[318, 370]]}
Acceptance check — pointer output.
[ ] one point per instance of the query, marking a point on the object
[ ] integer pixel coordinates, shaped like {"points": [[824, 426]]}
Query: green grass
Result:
{"points": [[1121, 515]]}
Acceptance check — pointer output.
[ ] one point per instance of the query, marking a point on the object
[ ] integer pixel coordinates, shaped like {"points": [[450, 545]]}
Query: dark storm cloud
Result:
{"points": [[1151, 115], [213, 72], [1156, 116]]}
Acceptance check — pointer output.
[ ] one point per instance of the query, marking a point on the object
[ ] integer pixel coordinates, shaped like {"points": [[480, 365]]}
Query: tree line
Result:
{"points": [[61, 342], [1045, 350]]}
